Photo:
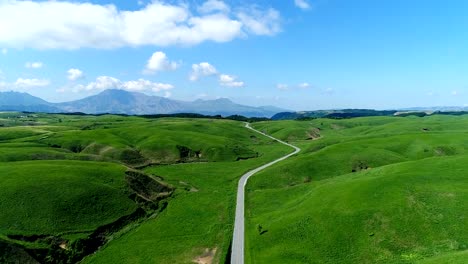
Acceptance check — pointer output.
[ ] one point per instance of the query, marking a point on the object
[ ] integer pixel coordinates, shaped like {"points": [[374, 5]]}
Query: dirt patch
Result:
{"points": [[105, 149], [207, 257], [63, 245], [448, 195], [336, 127], [146, 186], [313, 134]]}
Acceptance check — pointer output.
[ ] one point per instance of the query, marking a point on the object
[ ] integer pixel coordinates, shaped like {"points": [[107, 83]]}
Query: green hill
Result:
{"points": [[77, 183], [370, 190]]}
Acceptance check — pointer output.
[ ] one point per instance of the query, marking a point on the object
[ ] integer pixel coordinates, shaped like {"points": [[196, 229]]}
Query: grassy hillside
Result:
{"points": [[369, 190], [52, 197], [197, 220], [74, 183]]}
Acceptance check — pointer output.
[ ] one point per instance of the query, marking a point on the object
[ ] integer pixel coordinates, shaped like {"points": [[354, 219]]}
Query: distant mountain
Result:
{"points": [[436, 108], [15, 101], [226, 107], [343, 113], [132, 103], [121, 102]]}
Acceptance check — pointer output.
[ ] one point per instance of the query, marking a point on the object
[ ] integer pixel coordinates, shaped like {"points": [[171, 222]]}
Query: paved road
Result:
{"points": [[237, 256]]}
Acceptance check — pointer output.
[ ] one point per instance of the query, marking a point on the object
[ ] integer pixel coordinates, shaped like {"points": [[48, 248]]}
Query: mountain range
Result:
{"points": [[131, 103]]}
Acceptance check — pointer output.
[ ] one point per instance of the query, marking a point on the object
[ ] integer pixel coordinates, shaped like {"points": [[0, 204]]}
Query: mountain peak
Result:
{"points": [[114, 92], [132, 103], [224, 100]]}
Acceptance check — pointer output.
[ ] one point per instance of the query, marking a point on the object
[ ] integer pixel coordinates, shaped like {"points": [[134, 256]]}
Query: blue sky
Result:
{"points": [[300, 55]]}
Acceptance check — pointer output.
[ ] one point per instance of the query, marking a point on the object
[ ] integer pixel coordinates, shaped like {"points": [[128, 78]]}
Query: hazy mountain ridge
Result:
{"points": [[131, 103], [15, 101]]}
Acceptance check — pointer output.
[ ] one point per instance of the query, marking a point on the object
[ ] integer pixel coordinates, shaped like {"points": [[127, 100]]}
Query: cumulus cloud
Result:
{"points": [[205, 69], [73, 24], [31, 83], [160, 62], [33, 65], [304, 85], [230, 81], [213, 6], [302, 4], [282, 86], [4, 51], [202, 69], [258, 22], [74, 74], [140, 85]]}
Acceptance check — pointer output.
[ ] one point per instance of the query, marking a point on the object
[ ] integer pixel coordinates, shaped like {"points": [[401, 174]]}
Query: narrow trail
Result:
{"points": [[237, 255]]}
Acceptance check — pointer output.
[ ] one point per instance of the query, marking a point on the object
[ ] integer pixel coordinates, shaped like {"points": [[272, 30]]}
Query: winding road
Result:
{"points": [[237, 255]]}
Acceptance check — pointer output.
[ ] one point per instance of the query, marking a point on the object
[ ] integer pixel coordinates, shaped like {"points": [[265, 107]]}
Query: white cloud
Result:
{"points": [[230, 81], [4, 51], [329, 91], [282, 86], [31, 83], [145, 85], [167, 94], [160, 62], [260, 22], [201, 70], [34, 65], [140, 85], [73, 25], [455, 93], [74, 74], [302, 4], [212, 6], [103, 83], [304, 85]]}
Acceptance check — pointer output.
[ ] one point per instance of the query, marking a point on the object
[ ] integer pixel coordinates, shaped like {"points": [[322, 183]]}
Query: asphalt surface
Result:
{"points": [[237, 253]]}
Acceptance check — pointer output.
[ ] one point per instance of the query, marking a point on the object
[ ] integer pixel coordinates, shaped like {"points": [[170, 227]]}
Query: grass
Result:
{"points": [[405, 201], [54, 197], [363, 190], [199, 217], [77, 166]]}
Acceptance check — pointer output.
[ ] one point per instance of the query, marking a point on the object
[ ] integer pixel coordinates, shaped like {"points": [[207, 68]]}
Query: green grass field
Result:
{"points": [[53, 197], [370, 190], [363, 190], [198, 218], [65, 177]]}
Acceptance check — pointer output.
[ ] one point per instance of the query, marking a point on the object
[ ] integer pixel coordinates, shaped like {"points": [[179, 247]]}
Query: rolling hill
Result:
{"points": [[363, 190]]}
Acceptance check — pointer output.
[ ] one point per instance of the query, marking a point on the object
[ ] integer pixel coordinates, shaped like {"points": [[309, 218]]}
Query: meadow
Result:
{"points": [[126, 189], [364, 190], [76, 184]]}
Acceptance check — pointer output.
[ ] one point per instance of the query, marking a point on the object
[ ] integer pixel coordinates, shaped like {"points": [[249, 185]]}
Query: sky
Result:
{"points": [[294, 54]]}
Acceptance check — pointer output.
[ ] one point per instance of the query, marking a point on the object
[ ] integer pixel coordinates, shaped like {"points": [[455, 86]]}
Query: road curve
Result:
{"points": [[237, 255]]}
